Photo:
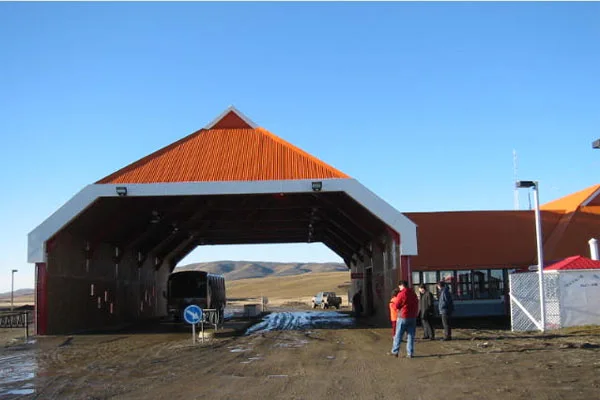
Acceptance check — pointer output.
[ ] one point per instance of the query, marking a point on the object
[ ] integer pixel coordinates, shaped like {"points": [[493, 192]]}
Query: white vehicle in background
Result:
{"points": [[326, 300]]}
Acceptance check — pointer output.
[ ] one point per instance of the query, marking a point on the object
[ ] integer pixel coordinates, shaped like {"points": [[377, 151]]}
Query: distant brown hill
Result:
{"points": [[234, 270], [17, 293]]}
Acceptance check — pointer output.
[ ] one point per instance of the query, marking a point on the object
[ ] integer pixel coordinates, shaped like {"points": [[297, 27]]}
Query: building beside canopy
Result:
{"points": [[474, 251]]}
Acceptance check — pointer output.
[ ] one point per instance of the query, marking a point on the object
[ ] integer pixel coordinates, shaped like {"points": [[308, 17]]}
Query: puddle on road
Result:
{"points": [[19, 392], [238, 350], [16, 374], [301, 320]]}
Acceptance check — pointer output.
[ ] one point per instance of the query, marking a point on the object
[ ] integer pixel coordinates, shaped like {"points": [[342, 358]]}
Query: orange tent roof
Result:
{"points": [[231, 149]]}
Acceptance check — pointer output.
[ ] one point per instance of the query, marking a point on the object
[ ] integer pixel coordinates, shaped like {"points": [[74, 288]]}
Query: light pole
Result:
{"points": [[540, 250], [12, 287], [596, 144]]}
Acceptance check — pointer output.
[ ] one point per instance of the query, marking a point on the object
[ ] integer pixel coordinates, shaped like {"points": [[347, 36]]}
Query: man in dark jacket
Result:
{"points": [[446, 308], [426, 312], [408, 305], [357, 303]]}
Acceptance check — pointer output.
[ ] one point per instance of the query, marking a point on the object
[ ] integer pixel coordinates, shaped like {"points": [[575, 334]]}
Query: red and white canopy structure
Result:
{"points": [[232, 156], [231, 182]]}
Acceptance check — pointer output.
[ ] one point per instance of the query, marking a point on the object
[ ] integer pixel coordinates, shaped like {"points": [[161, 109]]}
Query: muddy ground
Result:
{"points": [[327, 356]]}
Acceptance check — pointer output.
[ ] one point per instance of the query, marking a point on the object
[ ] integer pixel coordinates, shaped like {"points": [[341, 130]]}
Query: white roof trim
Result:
{"points": [[555, 271], [592, 197], [78, 203], [237, 112]]}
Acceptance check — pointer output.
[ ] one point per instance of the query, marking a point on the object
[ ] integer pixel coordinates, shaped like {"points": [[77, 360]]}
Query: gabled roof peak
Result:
{"points": [[572, 202], [231, 118]]}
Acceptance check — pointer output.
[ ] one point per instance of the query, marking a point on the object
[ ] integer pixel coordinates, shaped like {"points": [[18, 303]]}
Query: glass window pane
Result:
{"points": [[429, 277], [496, 284], [432, 288], [463, 286], [448, 277], [416, 279], [480, 284]]}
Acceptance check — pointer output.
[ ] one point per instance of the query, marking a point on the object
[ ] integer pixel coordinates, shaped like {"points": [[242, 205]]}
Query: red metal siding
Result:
{"points": [[41, 300]]}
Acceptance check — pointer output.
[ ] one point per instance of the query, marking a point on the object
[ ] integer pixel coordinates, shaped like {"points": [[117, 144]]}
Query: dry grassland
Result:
{"points": [[279, 290], [291, 289]]}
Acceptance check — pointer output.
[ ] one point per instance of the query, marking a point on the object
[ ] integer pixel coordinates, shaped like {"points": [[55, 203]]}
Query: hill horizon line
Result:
{"points": [[244, 269]]}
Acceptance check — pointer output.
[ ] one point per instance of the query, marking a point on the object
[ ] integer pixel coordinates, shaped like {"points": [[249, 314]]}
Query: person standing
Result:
{"points": [[357, 303], [446, 308], [393, 311], [426, 312], [408, 305]]}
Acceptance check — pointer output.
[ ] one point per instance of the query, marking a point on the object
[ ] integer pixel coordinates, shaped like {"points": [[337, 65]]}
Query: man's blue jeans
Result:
{"points": [[408, 325]]}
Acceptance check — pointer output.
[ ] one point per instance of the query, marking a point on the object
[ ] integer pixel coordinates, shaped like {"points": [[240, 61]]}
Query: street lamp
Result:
{"points": [[12, 287], [540, 251], [596, 144]]}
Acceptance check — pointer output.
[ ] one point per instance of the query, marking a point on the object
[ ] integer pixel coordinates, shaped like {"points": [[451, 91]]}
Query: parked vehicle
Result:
{"points": [[326, 300], [205, 290]]}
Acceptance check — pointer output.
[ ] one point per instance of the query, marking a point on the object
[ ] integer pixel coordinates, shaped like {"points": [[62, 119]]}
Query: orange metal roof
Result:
{"points": [[234, 152], [569, 237], [572, 201]]}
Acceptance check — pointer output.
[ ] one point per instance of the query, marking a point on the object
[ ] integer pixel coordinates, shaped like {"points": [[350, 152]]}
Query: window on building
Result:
{"points": [[416, 280], [480, 284], [430, 280], [496, 284], [448, 277], [464, 288]]}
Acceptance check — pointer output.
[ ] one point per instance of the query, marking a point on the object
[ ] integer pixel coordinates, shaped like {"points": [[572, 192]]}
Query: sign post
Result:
{"points": [[202, 329], [192, 315]]}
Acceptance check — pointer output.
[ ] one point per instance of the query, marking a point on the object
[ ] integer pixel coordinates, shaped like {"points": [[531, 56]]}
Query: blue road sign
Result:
{"points": [[192, 314]]}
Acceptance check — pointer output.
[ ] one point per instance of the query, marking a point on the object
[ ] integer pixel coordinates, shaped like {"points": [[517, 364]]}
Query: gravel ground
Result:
{"points": [[315, 359]]}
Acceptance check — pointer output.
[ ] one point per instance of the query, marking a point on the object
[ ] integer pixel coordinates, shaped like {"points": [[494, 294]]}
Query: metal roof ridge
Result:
{"points": [[231, 109]]}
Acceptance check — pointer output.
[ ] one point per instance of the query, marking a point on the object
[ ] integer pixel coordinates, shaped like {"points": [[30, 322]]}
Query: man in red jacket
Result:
{"points": [[408, 304]]}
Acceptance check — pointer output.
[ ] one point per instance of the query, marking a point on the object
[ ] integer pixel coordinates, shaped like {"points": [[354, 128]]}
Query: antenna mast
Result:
{"points": [[516, 196]]}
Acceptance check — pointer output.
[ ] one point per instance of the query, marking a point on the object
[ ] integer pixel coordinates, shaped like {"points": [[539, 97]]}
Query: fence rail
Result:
{"points": [[525, 301], [16, 320]]}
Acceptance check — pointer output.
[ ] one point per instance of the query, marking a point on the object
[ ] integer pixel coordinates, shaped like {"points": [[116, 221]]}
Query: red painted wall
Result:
{"points": [[41, 299]]}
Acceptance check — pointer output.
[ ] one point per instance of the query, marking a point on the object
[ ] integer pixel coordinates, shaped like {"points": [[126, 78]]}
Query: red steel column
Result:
{"points": [[405, 270], [41, 299]]}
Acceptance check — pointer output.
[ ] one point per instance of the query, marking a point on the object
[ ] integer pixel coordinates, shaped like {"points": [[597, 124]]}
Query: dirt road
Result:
{"points": [[316, 362]]}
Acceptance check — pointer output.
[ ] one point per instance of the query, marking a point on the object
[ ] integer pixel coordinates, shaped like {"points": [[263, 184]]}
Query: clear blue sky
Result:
{"points": [[421, 102]]}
